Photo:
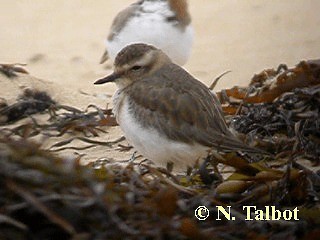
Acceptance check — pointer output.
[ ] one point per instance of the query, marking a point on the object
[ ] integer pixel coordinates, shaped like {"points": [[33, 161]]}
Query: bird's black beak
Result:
{"points": [[109, 78]]}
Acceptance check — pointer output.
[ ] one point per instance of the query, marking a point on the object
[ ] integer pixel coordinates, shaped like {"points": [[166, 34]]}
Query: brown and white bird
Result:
{"points": [[164, 112], [165, 24]]}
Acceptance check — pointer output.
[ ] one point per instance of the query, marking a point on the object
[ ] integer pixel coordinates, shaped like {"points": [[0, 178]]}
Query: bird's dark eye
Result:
{"points": [[136, 68]]}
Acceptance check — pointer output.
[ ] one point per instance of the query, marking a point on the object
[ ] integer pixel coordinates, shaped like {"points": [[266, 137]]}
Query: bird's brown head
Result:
{"points": [[135, 62]]}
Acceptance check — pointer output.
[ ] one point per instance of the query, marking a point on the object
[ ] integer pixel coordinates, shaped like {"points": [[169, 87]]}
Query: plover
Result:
{"points": [[165, 24], [164, 112]]}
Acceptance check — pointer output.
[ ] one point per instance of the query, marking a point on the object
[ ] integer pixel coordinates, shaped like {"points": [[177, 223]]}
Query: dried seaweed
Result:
{"points": [[62, 119], [12, 70], [73, 201], [291, 119], [74, 120], [270, 84], [139, 201]]}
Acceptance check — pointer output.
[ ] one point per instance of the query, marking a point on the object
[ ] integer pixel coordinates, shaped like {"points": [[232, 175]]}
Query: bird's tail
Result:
{"points": [[231, 143]]}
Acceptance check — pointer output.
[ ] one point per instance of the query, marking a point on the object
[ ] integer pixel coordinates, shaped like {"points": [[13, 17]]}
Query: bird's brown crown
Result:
{"points": [[132, 53], [138, 61]]}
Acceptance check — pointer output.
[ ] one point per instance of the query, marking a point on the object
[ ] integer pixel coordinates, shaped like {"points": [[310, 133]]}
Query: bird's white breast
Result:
{"points": [[151, 27], [154, 145]]}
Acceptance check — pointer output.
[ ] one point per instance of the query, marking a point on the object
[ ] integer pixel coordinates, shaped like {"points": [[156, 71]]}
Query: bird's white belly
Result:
{"points": [[154, 30], [155, 146]]}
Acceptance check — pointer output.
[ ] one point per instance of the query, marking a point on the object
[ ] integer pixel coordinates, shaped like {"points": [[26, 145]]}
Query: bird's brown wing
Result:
{"points": [[183, 109]]}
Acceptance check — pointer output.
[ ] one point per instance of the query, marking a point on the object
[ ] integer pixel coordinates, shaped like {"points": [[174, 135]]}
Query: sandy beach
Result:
{"points": [[62, 41]]}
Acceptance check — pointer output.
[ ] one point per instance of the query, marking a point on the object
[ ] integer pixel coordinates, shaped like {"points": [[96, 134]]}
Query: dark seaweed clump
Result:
{"points": [[294, 118], [30, 102]]}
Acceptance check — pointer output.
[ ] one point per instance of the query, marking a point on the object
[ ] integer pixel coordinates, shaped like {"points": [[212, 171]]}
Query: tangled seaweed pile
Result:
{"points": [[282, 107], [43, 196]]}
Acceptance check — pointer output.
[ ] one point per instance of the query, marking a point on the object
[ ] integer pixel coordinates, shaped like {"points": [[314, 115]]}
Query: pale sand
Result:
{"points": [[62, 42]]}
